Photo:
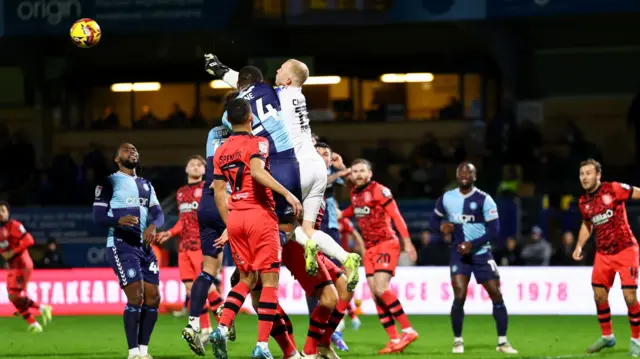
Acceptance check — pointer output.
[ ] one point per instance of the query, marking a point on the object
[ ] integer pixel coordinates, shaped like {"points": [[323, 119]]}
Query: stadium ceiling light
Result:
{"points": [[136, 87], [313, 80], [410, 77]]}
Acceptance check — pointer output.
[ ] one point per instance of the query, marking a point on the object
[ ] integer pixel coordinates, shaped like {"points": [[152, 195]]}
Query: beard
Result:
{"points": [[128, 164]]}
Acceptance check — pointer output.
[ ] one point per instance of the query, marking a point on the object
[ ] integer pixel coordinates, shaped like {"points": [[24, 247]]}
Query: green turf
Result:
{"points": [[103, 337]]}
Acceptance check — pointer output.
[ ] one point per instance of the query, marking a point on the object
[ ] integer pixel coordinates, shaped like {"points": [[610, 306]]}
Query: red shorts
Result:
{"points": [[255, 240], [190, 265], [17, 280], [293, 259], [625, 263], [382, 257]]}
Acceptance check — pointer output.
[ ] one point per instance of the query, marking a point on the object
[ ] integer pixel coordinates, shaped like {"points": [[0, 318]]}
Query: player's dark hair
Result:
{"points": [[594, 163], [249, 75], [199, 158], [238, 111], [228, 97], [5, 204], [361, 161], [322, 145]]}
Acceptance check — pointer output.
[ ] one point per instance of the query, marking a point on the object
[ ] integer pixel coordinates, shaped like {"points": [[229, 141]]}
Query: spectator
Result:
{"points": [[177, 118], [537, 252], [109, 120], [564, 255], [147, 120], [453, 110], [511, 256], [52, 258]]}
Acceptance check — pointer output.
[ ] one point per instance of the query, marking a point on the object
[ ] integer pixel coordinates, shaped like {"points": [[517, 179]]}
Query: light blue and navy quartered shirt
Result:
{"points": [[119, 195], [330, 219], [474, 215], [266, 109], [216, 138]]}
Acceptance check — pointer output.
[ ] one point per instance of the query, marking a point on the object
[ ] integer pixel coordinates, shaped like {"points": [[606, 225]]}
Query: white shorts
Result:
{"points": [[313, 179]]}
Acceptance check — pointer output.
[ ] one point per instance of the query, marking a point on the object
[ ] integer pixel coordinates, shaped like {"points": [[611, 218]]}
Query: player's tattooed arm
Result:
{"points": [[583, 236], [220, 195]]}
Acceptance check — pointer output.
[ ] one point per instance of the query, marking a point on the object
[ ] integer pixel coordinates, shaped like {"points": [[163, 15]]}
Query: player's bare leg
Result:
{"points": [[607, 340], [148, 318], [199, 292], [330, 334], [312, 240], [233, 303], [500, 315], [460, 283], [631, 299]]}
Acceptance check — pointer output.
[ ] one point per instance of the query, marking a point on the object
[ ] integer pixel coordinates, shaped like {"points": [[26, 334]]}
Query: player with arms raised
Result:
{"points": [[14, 242], [313, 174], [128, 206], [190, 256], [252, 224], [604, 212], [471, 218], [374, 208]]}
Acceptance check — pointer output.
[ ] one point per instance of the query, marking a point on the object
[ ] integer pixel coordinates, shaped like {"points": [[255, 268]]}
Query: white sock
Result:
{"points": [[231, 78], [224, 330], [194, 322], [144, 349], [636, 340], [329, 246], [395, 340], [134, 351], [263, 345], [340, 327], [502, 340], [408, 330], [610, 336], [458, 340]]}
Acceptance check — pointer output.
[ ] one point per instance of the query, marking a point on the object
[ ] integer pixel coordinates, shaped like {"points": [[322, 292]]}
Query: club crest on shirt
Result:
{"points": [[473, 206], [197, 193], [146, 187], [606, 199], [386, 192], [262, 146], [98, 191]]}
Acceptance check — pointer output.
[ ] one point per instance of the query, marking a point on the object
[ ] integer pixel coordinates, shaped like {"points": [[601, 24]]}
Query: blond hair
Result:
{"points": [[299, 71]]}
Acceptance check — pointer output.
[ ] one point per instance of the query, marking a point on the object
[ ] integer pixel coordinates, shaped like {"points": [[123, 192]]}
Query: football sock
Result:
{"points": [[501, 317], [267, 309], [235, 300], [287, 322], [386, 319], [317, 325], [205, 319], [329, 246], [634, 320], [351, 311], [312, 303], [215, 300], [280, 334], [604, 317], [198, 296], [22, 306], [457, 318], [148, 319], [391, 301], [334, 321], [131, 318]]}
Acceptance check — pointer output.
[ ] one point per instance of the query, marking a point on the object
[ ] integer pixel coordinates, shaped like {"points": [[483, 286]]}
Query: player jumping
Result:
{"points": [[603, 211], [128, 206], [472, 220], [252, 224], [190, 256], [14, 241], [374, 208], [313, 177]]}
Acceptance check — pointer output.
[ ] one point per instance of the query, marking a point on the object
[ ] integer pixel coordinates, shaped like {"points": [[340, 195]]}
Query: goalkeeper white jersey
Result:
{"points": [[296, 118]]}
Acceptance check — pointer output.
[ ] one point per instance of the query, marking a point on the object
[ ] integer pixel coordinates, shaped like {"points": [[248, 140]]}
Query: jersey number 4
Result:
{"points": [[270, 111], [234, 172], [153, 268]]}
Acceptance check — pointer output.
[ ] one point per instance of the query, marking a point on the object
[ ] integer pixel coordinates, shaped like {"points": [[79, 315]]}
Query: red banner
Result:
{"points": [[87, 291]]}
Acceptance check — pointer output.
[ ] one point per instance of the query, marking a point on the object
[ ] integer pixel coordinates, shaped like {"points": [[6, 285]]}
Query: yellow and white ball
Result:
{"points": [[85, 33]]}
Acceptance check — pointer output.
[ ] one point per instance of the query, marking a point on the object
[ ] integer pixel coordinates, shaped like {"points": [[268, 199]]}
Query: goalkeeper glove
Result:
{"points": [[213, 66]]}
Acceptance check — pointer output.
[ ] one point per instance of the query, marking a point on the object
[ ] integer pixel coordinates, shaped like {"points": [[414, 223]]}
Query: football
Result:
{"points": [[85, 33]]}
